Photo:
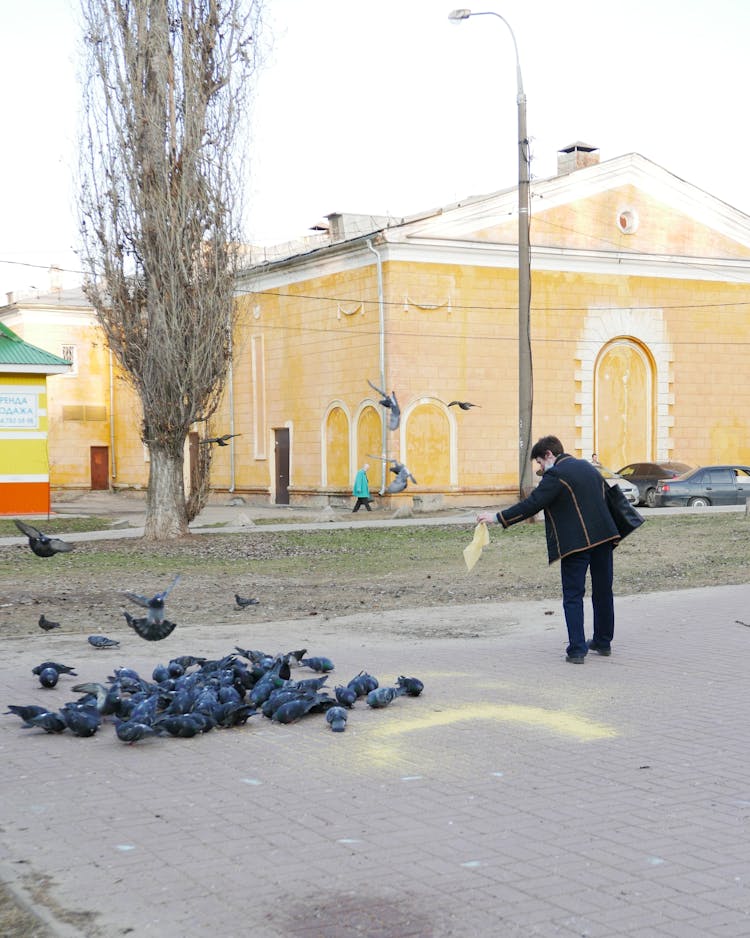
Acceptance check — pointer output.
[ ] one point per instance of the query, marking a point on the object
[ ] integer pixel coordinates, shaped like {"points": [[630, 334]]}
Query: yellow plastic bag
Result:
{"points": [[473, 552]]}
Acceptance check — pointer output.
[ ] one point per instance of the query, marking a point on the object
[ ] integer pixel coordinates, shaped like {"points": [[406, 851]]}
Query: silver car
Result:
{"points": [[630, 491]]}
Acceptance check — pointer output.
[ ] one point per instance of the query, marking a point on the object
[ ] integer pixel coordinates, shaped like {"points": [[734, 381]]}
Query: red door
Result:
{"points": [[99, 468]]}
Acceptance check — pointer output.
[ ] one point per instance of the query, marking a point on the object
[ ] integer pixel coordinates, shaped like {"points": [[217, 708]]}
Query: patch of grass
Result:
{"points": [[69, 524]]}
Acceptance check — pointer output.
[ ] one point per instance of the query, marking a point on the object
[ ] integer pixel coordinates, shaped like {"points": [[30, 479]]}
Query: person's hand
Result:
{"points": [[487, 517]]}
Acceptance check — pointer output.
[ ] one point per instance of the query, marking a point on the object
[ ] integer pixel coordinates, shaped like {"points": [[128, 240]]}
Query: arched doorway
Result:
{"points": [[623, 404]]}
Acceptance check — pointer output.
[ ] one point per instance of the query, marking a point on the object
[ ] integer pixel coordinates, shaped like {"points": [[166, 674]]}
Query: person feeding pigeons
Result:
{"points": [[581, 534]]}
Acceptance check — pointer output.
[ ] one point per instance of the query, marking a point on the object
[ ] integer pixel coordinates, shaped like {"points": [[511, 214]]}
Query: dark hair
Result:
{"points": [[550, 443]]}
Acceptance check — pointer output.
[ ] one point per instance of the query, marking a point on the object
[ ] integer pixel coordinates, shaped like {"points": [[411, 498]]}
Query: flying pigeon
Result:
{"points": [[243, 603], [220, 440], [41, 544], [150, 631], [101, 641], [464, 405], [44, 623], [153, 626], [390, 403], [402, 478]]}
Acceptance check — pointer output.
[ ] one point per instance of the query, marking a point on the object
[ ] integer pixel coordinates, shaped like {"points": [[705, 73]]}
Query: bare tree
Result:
{"points": [[165, 91]]}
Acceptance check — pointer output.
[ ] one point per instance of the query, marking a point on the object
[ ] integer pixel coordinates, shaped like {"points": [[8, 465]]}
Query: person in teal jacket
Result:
{"points": [[361, 490]]}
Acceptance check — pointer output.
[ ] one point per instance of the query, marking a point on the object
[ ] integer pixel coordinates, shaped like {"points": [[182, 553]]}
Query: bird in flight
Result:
{"points": [[41, 544], [464, 405], [390, 403], [153, 626], [221, 440], [403, 477]]}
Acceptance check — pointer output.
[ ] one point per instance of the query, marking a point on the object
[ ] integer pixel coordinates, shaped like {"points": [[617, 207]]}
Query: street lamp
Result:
{"points": [[525, 378]]}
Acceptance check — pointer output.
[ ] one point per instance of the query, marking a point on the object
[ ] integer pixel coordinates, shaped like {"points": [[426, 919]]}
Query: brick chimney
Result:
{"points": [[576, 156]]}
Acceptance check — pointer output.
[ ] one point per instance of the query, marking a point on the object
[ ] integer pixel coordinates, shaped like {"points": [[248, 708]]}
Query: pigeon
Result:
{"points": [[151, 632], [382, 696], [411, 686], [101, 641], [60, 668], [336, 717], [44, 623], [402, 478], [106, 699], [464, 405], [41, 544], [50, 722], [26, 713], [130, 731], [317, 664], [390, 403], [81, 720], [155, 605], [243, 603], [153, 627], [295, 709], [220, 440], [346, 696], [363, 683], [48, 677]]}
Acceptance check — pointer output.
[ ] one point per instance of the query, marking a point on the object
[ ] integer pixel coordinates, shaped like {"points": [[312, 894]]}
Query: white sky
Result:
{"points": [[387, 108]]}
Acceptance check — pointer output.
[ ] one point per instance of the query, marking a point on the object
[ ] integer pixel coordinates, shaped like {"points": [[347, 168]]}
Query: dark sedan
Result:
{"points": [[646, 474], [709, 485]]}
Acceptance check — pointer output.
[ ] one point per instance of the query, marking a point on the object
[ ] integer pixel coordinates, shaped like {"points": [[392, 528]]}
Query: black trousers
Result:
{"points": [[362, 501]]}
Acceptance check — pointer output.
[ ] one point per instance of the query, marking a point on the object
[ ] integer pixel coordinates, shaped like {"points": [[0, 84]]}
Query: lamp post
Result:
{"points": [[525, 377]]}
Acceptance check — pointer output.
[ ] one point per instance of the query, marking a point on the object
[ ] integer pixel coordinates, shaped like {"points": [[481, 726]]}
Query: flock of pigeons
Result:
{"points": [[191, 695], [400, 471]]}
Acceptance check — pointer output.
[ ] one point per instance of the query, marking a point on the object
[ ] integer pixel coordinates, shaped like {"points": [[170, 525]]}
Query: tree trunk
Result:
{"points": [[166, 510]]}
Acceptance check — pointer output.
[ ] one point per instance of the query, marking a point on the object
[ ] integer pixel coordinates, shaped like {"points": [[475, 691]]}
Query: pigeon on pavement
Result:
{"points": [[411, 686], [101, 641], [26, 712], [336, 716], [382, 696], [60, 668], [41, 544], [48, 677]]}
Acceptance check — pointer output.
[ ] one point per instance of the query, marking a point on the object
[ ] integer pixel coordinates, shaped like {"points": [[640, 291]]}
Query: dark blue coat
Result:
{"points": [[572, 497]]}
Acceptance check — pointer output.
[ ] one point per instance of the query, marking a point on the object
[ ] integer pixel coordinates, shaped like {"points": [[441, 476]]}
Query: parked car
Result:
{"points": [[709, 485], [629, 490], [646, 474]]}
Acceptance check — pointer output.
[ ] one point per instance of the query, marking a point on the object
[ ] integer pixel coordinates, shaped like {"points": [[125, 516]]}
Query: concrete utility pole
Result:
{"points": [[525, 371]]}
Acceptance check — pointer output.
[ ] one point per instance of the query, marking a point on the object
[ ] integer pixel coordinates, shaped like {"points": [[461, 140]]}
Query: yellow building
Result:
{"points": [[94, 415], [640, 326], [24, 469]]}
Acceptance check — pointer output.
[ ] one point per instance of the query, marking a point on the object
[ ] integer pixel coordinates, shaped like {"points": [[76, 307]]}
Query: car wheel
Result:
{"points": [[699, 502], [651, 498]]}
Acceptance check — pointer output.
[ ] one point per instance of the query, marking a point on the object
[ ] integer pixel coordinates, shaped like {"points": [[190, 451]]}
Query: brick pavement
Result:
{"points": [[519, 796]]}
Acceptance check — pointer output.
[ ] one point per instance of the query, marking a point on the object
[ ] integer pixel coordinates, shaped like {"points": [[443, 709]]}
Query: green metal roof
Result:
{"points": [[15, 352]]}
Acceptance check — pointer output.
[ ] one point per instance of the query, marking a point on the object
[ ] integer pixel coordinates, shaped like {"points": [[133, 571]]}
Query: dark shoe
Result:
{"points": [[575, 659], [599, 649]]}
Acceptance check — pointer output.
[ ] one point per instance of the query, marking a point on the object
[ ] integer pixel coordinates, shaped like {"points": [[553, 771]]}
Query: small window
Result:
{"points": [[627, 220], [70, 354]]}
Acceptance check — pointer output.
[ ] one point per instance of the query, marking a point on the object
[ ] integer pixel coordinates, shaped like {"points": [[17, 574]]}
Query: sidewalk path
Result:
{"points": [[517, 797]]}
